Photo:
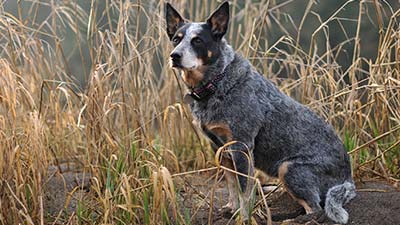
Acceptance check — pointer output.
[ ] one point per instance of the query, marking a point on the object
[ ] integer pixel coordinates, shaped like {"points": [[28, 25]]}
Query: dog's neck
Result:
{"points": [[204, 74]]}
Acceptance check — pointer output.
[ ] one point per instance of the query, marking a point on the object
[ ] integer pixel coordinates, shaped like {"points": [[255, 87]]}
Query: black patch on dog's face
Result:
{"points": [[200, 41], [204, 45]]}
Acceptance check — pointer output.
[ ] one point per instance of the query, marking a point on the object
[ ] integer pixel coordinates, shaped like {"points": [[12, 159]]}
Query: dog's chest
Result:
{"points": [[207, 111]]}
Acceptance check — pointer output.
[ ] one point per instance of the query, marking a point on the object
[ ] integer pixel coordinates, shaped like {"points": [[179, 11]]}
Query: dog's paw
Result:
{"points": [[226, 212], [230, 206], [269, 188]]}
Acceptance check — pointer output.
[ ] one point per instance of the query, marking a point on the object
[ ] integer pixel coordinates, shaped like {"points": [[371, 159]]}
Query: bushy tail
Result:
{"points": [[336, 197]]}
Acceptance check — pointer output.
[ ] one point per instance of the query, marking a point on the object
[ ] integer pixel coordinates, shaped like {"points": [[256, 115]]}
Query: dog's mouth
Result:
{"points": [[176, 65]]}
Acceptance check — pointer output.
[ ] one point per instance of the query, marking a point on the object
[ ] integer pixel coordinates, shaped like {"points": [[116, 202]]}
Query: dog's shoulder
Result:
{"points": [[245, 84], [240, 101]]}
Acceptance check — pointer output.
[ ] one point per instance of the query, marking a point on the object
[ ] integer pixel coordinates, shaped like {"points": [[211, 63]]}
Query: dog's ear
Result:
{"points": [[174, 20], [219, 21]]}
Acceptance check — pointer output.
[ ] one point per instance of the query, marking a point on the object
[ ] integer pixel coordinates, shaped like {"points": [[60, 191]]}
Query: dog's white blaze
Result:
{"points": [[189, 59]]}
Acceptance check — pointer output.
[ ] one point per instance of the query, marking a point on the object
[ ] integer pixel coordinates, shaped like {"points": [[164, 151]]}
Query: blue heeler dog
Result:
{"points": [[231, 101]]}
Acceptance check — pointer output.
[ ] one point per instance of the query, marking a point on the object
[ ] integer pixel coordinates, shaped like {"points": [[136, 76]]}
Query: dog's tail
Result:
{"points": [[336, 197]]}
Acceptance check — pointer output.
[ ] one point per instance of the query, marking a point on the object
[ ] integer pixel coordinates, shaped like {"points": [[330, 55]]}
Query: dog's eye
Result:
{"points": [[176, 40], [196, 40]]}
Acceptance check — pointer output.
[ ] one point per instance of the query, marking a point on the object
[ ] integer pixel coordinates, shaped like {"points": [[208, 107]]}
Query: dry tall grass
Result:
{"points": [[127, 125]]}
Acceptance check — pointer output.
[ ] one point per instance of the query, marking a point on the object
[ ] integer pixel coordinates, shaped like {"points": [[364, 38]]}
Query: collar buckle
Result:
{"points": [[195, 96]]}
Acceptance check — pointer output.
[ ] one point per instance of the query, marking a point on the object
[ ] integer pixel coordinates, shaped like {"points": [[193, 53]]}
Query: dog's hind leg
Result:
{"points": [[301, 183]]}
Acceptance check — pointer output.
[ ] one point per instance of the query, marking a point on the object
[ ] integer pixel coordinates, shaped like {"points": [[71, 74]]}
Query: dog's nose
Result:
{"points": [[175, 56]]}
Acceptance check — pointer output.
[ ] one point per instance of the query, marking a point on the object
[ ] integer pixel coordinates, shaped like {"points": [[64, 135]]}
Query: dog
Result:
{"points": [[265, 129]]}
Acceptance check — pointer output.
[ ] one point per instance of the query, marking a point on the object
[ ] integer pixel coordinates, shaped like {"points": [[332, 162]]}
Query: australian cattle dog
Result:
{"points": [[232, 102]]}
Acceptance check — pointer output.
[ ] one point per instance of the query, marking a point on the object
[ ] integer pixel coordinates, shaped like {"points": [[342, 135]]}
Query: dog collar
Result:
{"points": [[205, 91]]}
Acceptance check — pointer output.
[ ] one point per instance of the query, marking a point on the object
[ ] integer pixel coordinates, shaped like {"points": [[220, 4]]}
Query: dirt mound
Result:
{"points": [[376, 203]]}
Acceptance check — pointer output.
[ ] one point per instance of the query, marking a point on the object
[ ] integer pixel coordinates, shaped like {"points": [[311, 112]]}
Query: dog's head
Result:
{"points": [[196, 45]]}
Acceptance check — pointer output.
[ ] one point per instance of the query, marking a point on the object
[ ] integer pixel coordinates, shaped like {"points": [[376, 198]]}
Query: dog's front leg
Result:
{"points": [[232, 184], [243, 184]]}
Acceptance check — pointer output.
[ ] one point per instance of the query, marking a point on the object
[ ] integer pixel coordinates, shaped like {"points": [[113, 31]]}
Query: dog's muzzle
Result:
{"points": [[176, 59]]}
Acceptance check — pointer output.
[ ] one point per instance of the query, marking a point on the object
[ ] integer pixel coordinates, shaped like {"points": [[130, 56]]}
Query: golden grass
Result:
{"points": [[127, 125]]}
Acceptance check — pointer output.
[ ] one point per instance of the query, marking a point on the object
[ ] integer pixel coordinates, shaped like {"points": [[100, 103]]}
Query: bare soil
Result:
{"points": [[65, 187], [376, 203], [201, 197]]}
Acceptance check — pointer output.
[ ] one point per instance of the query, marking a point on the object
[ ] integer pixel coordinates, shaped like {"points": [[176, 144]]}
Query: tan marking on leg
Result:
{"points": [[233, 200], [180, 35], [238, 199], [283, 169], [232, 184], [301, 202], [220, 129], [227, 163], [305, 205], [262, 177]]}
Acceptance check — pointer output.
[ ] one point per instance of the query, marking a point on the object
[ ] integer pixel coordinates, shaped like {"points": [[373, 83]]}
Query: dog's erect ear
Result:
{"points": [[219, 21], [174, 20]]}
